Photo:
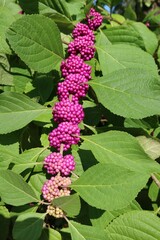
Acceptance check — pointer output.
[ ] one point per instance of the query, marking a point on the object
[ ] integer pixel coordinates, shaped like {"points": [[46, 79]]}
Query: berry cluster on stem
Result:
{"points": [[68, 112]]}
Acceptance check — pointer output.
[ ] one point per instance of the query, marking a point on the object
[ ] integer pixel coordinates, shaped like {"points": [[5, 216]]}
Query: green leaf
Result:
{"points": [[150, 146], [119, 148], [7, 156], [84, 232], [59, 5], [21, 77], [36, 182], [149, 38], [50, 234], [28, 226], [5, 77], [112, 187], [27, 159], [4, 222], [36, 39], [69, 204], [102, 219], [131, 93], [124, 35], [14, 190], [19, 108], [121, 56], [6, 19], [135, 225]]}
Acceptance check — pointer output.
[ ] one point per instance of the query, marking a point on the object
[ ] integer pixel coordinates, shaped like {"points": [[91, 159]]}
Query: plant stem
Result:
{"points": [[61, 148], [157, 182], [66, 43], [75, 175]]}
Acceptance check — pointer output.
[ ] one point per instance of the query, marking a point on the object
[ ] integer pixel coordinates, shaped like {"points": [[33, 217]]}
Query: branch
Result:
{"points": [[157, 182]]}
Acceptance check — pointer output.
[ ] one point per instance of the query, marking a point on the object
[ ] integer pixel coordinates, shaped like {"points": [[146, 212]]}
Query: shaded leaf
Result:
{"points": [[28, 226], [50, 234], [4, 222]]}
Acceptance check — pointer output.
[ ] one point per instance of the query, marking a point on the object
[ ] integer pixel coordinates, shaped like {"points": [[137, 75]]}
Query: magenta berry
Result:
{"points": [[66, 133], [74, 64], [57, 186], [67, 111], [83, 46], [56, 163], [94, 19], [82, 30], [75, 85]]}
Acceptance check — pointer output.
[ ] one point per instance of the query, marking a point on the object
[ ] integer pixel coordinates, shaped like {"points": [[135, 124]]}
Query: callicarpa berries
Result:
{"points": [[56, 163], [82, 30], [55, 211], [68, 113], [66, 133], [75, 85], [94, 19], [74, 64], [57, 186], [83, 46]]}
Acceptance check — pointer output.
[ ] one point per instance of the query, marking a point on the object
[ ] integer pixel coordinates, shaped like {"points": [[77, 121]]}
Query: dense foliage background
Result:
{"points": [[115, 186]]}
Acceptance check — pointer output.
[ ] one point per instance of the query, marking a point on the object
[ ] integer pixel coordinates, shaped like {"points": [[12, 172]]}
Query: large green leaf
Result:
{"points": [[135, 225], [121, 149], [124, 35], [108, 186], [69, 204], [121, 56], [149, 38], [16, 111], [36, 39], [4, 222], [132, 93], [14, 190], [84, 232], [28, 226]]}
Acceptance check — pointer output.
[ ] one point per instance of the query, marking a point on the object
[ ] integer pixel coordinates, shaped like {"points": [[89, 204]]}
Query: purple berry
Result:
{"points": [[82, 30], [66, 133], [74, 64], [94, 19], [56, 163], [83, 46], [67, 111], [75, 85]]}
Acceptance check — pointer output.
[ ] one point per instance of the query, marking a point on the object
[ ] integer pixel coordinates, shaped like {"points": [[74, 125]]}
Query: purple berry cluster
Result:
{"points": [[68, 112], [56, 163]]}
